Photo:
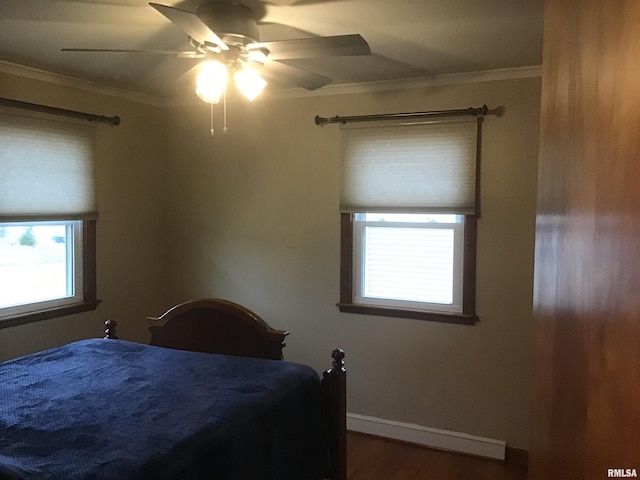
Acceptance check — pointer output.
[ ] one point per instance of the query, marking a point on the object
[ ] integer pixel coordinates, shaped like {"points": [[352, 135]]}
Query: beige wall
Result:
{"points": [[255, 220], [131, 234]]}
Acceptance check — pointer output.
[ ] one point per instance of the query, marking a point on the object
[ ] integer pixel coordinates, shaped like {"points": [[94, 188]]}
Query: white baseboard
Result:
{"points": [[430, 437]]}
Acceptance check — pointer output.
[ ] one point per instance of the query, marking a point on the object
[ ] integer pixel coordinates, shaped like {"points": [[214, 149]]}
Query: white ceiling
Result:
{"points": [[408, 38]]}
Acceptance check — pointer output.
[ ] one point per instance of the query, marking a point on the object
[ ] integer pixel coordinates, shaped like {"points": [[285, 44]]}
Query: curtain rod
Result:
{"points": [[113, 121], [475, 111]]}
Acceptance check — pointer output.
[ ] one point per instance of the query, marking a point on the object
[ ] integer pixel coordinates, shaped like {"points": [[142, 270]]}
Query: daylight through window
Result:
{"points": [[409, 204], [39, 262], [408, 260], [47, 218]]}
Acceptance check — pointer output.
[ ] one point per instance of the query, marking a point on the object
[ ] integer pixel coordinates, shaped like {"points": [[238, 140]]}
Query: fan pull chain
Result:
{"points": [[212, 130], [224, 104]]}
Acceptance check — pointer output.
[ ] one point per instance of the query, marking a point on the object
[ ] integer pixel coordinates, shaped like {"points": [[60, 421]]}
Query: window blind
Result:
{"points": [[410, 167], [413, 264], [46, 169]]}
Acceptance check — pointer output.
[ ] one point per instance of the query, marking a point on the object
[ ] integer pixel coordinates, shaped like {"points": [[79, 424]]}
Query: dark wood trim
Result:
{"points": [[110, 329], [469, 268], [457, 318], [49, 313], [517, 456], [334, 382], [346, 258], [89, 261], [468, 315]]}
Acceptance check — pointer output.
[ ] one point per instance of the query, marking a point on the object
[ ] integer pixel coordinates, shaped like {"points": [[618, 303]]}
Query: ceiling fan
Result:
{"points": [[226, 36]]}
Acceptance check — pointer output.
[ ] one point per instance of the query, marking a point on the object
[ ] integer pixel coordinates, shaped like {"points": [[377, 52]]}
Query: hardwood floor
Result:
{"points": [[371, 458]]}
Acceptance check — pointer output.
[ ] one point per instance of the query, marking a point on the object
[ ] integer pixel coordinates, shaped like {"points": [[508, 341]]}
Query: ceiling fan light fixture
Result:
{"points": [[211, 82], [212, 47], [249, 82], [259, 55]]}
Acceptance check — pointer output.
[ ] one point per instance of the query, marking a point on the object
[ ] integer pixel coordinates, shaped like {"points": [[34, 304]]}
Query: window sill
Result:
{"points": [[456, 318], [49, 313]]}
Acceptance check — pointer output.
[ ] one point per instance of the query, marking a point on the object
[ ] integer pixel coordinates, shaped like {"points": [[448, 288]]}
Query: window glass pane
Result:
{"points": [[412, 261], [36, 262], [409, 217], [412, 264]]}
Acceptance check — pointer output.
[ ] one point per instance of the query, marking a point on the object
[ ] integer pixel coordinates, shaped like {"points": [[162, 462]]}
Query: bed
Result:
{"points": [[209, 398]]}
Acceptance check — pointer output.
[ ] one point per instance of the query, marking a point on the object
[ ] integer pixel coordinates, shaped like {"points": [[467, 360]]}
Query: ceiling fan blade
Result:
{"points": [[191, 25], [178, 54], [286, 3], [297, 76], [336, 46]]}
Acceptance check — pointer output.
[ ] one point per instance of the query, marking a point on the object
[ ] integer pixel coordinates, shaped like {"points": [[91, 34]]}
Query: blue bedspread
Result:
{"points": [[111, 409]]}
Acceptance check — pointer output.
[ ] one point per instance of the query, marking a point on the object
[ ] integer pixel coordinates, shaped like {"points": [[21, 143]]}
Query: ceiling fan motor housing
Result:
{"points": [[234, 23]]}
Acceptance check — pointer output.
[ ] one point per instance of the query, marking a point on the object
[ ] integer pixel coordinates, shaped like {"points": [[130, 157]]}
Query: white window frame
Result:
{"points": [[359, 270], [74, 276]]}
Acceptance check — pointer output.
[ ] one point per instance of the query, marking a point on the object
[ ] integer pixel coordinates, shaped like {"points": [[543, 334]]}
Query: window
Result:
{"points": [[408, 230], [47, 219], [408, 260]]}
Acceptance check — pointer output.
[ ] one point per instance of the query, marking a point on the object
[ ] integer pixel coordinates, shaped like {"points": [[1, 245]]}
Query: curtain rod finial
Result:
{"points": [[498, 111]]}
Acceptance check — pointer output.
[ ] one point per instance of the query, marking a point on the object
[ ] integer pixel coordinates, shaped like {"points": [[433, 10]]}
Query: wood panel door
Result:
{"points": [[587, 273]]}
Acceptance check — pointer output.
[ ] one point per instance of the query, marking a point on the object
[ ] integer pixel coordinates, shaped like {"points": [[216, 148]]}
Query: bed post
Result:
{"points": [[110, 329], [335, 387]]}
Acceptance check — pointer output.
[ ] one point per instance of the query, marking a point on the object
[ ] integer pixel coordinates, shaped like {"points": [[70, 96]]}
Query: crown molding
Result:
{"points": [[74, 82], [533, 71]]}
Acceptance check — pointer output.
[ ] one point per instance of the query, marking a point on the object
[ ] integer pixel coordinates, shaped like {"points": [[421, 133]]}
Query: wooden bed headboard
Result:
{"points": [[213, 325]]}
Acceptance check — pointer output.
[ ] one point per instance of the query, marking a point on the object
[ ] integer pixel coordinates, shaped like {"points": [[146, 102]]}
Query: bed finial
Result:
{"points": [[110, 329], [338, 359]]}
